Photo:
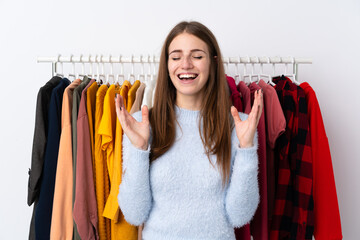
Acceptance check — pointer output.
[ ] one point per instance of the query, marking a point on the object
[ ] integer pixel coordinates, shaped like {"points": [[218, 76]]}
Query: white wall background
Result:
{"points": [[326, 31]]}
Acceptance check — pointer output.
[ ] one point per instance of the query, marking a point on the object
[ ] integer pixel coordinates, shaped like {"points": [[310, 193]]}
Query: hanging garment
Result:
{"points": [[40, 134], [259, 224], [121, 229], [108, 130], [138, 98], [243, 233], [326, 209], [62, 212], [39, 145], [293, 214], [148, 94], [275, 125], [137, 107], [235, 95], [102, 184], [74, 117], [90, 108], [132, 94], [107, 126], [85, 209], [44, 207], [245, 93]]}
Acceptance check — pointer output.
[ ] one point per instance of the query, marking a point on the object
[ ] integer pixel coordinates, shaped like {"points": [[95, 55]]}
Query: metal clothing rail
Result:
{"points": [[154, 59]]}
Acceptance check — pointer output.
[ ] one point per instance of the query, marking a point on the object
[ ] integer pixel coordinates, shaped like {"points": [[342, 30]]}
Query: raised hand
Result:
{"points": [[245, 130], [137, 132]]}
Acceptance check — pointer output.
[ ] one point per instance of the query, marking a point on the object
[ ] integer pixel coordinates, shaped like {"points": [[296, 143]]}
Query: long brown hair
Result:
{"points": [[215, 117]]}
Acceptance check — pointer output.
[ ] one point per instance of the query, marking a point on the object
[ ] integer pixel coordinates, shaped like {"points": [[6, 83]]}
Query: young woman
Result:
{"points": [[189, 166]]}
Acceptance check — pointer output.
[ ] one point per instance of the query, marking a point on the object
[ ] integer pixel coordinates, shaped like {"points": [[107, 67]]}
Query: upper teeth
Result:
{"points": [[187, 75]]}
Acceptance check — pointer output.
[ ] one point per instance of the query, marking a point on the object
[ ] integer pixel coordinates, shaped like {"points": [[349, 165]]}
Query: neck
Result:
{"points": [[193, 103]]}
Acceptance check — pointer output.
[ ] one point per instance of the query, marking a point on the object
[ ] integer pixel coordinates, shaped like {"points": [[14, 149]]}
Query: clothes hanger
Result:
{"points": [[252, 69], [268, 76], [147, 76], [121, 74], [56, 73], [250, 75], [132, 75], [237, 72], [72, 75], [90, 75], [141, 76], [291, 76], [102, 76], [99, 81], [82, 74], [153, 75], [111, 74]]}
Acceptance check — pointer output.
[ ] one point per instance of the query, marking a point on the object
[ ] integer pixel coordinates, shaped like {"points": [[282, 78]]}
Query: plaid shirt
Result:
{"points": [[293, 212]]}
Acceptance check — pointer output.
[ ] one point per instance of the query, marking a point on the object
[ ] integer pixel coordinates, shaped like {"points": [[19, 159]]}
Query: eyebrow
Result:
{"points": [[193, 50]]}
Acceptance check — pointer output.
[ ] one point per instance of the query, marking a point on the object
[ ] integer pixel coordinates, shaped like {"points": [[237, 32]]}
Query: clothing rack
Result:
{"points": [[152, 59]]}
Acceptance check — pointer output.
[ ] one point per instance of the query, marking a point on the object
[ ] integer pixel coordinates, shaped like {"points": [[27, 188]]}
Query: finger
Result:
{"points": [[235, 114], [253, 112], [121, 111], [117, 105], [145, 114], [122, 104], [260, 106], [256, 111]]}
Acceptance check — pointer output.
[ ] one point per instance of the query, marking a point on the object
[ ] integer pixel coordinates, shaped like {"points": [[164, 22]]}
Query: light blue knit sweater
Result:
{"points": [[180, 196]]}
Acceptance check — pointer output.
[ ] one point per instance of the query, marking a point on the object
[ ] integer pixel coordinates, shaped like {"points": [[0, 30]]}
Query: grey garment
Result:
{"points": [[39, 144], [74, 115]]}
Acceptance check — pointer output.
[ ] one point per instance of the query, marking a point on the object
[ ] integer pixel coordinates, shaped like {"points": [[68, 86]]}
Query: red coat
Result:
{"points": [[327, 224]]}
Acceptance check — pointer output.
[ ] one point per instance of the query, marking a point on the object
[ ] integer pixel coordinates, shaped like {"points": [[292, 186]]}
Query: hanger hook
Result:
{"points": [[111, 69], [97, 68], [91, 67], [252, 71], [295, 67], [82, 65], [73, 66], [261, 67], [56, 68], [121, 66], [273, 67], [142, 67]]}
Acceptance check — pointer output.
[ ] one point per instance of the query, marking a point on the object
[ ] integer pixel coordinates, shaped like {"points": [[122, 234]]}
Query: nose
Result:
{"points": [[186, 63]]}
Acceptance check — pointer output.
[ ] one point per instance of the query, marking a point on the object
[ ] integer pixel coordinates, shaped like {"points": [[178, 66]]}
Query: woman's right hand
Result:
{"points": [[137, 132]]}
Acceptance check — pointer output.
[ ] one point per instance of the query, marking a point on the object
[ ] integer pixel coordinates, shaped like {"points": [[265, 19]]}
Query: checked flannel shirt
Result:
{"points": [[293, 216]]}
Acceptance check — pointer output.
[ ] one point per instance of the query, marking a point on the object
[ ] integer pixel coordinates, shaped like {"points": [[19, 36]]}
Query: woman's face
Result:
{"points": [[188, 65]]}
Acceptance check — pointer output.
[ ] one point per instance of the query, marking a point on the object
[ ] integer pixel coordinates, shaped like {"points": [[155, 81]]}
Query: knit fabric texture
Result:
{"points": [[180, 196]]}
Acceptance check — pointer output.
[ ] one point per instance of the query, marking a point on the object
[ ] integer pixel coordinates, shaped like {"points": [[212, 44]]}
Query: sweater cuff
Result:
{"points": [[135, 160], [247, 156], [137, 152]]}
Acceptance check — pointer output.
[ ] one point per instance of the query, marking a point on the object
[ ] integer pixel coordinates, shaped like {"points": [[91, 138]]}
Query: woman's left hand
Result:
{"points": [[245, 130]]}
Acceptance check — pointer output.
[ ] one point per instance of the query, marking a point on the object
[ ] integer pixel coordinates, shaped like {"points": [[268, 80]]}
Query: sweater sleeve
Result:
{"points": [[242, 194], [135, 199]]}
